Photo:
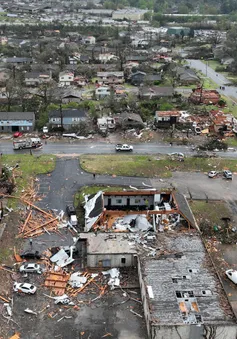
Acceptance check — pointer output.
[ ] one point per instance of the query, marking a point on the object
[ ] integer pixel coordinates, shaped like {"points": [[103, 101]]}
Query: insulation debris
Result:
{"points": [[77, 280], [61, 258]]}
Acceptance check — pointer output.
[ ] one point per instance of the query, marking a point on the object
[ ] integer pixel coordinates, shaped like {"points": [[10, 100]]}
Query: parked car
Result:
{"points": [[212, 174], [17, 134], [71, 212], [232, 275], [227, 174], [70, 209], [31, 268], [24, 287], [45, 129], [123, 147], [30, 255]]}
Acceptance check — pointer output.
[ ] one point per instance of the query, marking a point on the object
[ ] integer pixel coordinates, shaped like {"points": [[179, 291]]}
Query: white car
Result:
{"points": [[45, 129], [24, 287], [232, 275], [123, 148], [31, 268], [212, 174]]}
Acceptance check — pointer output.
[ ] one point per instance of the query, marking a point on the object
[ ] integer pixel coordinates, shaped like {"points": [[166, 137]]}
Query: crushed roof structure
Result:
{"points": [[168, 114], [181, 284], [204, 96], [141, 210]]}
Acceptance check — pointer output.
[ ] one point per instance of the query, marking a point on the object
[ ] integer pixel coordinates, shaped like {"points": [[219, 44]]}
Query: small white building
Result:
{"points": [[129, 14], [105, 57], [106, 124], [108, 250], [66, 78], [90, 40], [102, 92]]}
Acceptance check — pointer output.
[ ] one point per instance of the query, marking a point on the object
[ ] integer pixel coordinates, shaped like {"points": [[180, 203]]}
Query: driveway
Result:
{"points": [[59, 187], [219, 79]]}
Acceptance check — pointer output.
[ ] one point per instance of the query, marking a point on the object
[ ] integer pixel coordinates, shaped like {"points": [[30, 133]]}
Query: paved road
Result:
{"points": [[218, 78], [91, 147]]}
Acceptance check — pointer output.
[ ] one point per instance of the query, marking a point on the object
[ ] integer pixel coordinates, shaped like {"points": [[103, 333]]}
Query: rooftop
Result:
{"points": [[17, 115], [185, 287], [168, 113], [105, 243]]}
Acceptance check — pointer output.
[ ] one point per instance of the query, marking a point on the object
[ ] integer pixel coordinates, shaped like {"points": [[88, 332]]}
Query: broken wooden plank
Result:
{"points": [[26, 221], [3, 299], [86, 284], [4, 269], [41, 226]]}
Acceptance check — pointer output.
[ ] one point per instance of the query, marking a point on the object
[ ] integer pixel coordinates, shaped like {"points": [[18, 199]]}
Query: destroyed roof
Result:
{"points": [[97, 207], [182, 285], [104, 243], [168, 114], [184, 208]]}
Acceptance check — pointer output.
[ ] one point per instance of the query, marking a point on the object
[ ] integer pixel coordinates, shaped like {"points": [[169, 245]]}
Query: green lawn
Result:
{"points": [[211, 211], [29, 166], [150, 166]]}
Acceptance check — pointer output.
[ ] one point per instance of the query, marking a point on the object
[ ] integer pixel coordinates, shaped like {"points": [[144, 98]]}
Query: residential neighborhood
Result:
{"points": [[118, 157]]}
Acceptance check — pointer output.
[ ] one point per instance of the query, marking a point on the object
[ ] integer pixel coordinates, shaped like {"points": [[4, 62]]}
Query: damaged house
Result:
{"points": [[181, 293], [206, 97], [155, 231], [132, 211]]}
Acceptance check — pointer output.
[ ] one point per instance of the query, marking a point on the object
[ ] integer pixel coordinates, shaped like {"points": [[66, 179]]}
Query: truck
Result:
{"points": [[123, 148], [27, 143]]}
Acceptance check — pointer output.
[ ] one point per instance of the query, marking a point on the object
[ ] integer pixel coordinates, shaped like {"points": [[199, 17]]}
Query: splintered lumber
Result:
{"points": [[57, 281], [41, 226], [82, 288], [3, 299], [26, 221], [4, 269], [37, 208], [15, 336]]}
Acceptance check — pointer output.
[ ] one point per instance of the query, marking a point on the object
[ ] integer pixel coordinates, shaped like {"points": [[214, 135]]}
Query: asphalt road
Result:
{"points": [[218, 78], [75, 147]]}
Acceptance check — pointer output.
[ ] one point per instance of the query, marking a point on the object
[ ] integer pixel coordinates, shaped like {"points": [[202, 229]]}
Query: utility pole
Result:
{"points": [[61, 116]]}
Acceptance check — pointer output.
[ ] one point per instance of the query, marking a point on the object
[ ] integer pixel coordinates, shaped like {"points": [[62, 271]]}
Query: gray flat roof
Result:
{"points": [[184, 283], [104, 243], [17, 115]]}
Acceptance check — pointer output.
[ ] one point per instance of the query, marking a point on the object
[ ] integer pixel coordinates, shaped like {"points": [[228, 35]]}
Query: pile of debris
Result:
{"points": [[38, 221]]}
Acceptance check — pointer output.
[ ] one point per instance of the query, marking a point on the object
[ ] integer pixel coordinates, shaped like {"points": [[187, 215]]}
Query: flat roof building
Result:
{"points": [[181, 293]]}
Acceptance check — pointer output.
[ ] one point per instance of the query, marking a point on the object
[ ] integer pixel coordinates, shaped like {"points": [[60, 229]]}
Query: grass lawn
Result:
{"points": [[29, 166], [150, 166], [231, 142], [87, 190], [211, 211]]}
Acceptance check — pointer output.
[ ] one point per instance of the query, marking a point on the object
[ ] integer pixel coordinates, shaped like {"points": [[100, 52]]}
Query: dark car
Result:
{"points": [[70, 210], [30, 255]]}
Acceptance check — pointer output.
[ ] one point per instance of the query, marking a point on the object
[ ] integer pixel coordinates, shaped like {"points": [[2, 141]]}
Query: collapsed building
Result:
{"points": [[137, 210], [155, 231]]}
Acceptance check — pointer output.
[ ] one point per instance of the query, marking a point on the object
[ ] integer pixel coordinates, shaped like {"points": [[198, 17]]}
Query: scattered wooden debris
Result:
{"points": [[57, 281]]}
